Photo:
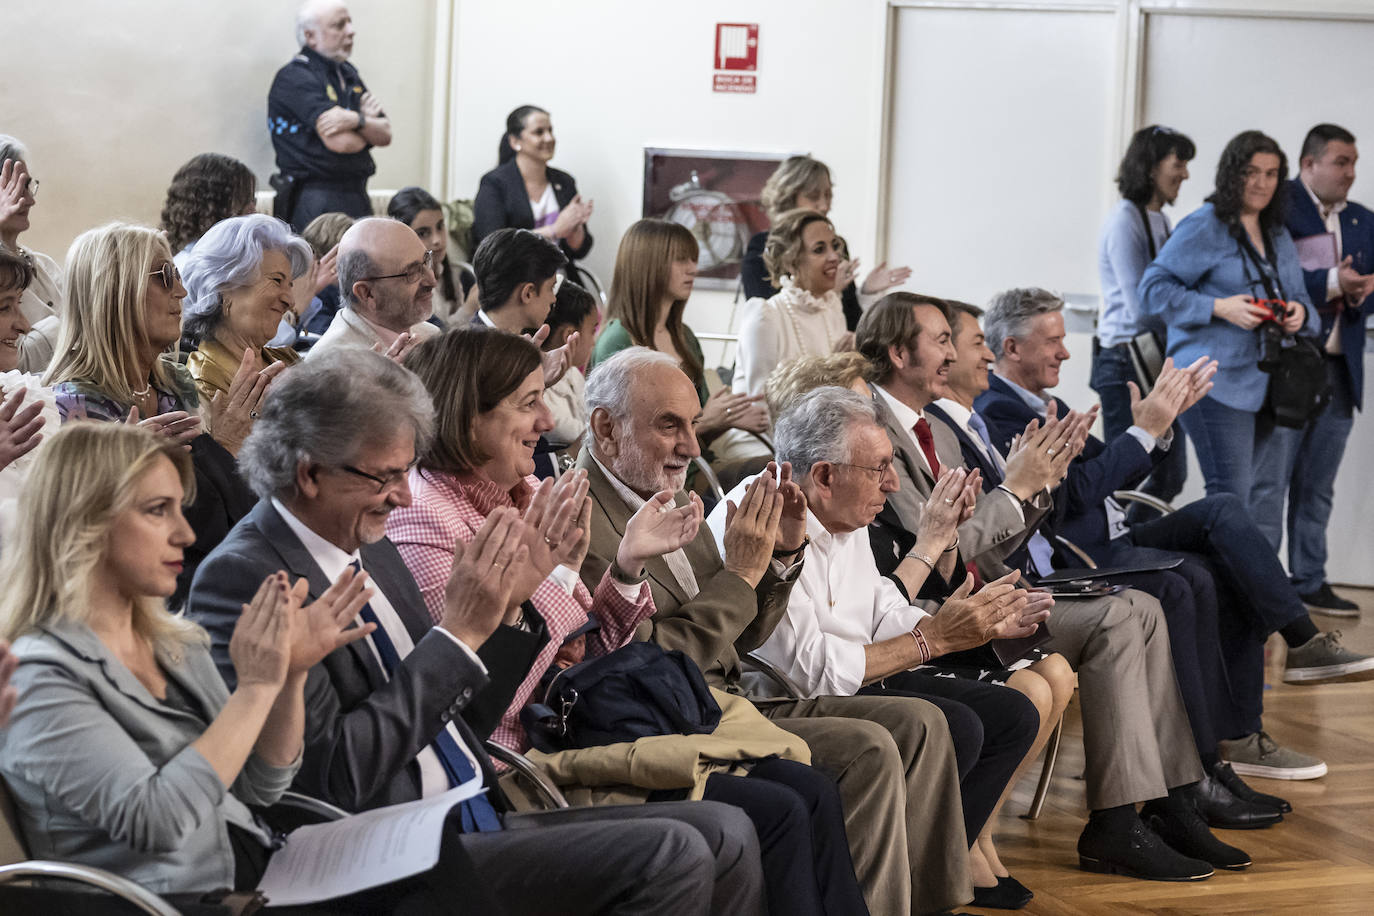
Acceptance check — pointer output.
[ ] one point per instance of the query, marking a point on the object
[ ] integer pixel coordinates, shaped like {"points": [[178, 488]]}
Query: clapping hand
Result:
{"points": [[883, 278], [658, 528], [14, 188], [555, 362], [20, 430], [323, 625], [726, 409], [177, 425], [792, 523], [751, 529], [943, 511], [260, 646], [400, 347], [558, 523], [480, 590], [232, 413]]}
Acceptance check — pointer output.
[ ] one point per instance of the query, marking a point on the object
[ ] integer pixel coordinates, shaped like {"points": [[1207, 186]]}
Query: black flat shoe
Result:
{"points": [[1224, 774], [1186, 832], [1220, 807], [1008, 894], [1136, 853]]}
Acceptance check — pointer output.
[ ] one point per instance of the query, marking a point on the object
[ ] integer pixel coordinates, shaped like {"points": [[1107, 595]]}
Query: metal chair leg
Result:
{"points": [[1046, 772]]}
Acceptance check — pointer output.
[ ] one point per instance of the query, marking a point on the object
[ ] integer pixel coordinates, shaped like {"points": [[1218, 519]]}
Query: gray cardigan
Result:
{"points": [[103, 773]]}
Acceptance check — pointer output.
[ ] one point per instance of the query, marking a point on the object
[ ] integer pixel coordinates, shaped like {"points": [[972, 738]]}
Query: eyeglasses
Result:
{"points": [[413, 273], [881, 470], [383, 483], [167, 275]]}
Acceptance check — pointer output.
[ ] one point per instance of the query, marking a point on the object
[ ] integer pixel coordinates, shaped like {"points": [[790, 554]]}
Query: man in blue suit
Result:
{"points": [[1305, 461], [1233, 596]]}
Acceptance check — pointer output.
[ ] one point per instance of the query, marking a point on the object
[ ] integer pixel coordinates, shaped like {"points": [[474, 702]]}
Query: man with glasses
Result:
{"points": [[402, 713], [386, 290], [848, 630]]}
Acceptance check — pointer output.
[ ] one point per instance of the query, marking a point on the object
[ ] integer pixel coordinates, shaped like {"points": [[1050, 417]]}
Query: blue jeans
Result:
{"points": [[1230, 445], [1111, 371], [1304, 463]]}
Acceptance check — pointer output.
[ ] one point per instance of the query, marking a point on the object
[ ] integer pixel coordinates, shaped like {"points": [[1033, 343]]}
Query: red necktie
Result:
{"points": [[927, 443]]}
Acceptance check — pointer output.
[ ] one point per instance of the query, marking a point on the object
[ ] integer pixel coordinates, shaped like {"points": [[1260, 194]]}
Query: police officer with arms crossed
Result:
{"points": [[323, 121]]}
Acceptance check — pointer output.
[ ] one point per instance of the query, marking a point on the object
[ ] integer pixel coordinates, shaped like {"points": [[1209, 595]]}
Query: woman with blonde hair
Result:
{"points": [[655, 269], [103, 665], [801, 182], [123, 313], [805, 318]]}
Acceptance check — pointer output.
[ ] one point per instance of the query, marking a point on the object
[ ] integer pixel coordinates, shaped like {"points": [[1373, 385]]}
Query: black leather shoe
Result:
{"points": [[1138, 853], [1220, 807], [1186, 832], [1224, 774], [1008, 894]]}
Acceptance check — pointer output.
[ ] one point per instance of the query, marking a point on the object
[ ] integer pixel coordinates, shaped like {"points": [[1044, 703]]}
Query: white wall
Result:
{"points": [[620, 75], [111, 98]]}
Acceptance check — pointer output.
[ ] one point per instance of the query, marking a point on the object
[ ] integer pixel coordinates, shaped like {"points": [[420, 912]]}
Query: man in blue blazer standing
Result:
{"points": [[1305, 461]]}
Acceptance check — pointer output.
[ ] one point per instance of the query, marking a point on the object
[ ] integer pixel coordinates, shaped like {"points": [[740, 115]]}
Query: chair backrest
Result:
{"points": [[12, 847]]}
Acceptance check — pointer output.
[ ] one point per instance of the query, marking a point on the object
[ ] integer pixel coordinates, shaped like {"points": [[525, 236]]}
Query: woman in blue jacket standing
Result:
{"points": [[1229, 269]]}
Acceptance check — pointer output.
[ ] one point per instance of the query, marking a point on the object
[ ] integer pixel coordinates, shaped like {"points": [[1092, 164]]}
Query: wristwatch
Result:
{"points": [[362, 119]]}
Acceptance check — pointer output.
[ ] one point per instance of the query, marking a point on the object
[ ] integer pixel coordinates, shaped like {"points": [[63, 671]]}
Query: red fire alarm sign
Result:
{"points": [[737, 46]]}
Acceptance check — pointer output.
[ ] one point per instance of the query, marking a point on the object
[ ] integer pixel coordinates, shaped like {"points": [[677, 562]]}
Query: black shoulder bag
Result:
{"points": [[1298, 385], [1146, 348]]}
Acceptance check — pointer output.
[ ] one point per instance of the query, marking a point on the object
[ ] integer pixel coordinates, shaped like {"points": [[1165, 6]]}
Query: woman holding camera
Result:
{"points": [[1228, 276]]}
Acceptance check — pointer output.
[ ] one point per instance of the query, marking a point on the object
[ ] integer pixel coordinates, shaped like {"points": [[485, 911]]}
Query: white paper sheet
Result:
{"points": [[323, 861]]}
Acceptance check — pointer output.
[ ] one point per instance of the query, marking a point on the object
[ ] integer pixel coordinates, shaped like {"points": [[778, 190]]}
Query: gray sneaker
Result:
{"points": [[1322, 658], [1260, 755]]}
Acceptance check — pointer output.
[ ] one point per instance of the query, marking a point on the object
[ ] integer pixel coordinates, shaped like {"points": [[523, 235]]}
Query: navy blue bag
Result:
{"points": [[636, 691]]}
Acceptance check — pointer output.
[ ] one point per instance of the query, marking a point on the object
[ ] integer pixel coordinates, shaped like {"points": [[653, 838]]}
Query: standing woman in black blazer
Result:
{"points": [[522, 192]]}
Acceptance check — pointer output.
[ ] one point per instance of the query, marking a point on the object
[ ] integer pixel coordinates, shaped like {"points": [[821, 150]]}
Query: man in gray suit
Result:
{"points": [[400, 714], [891, 756], [1136, 737]]}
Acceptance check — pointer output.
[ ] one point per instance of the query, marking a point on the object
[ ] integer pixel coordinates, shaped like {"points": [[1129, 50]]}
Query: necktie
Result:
{"points": [[977, 424], [477, 812], [927, 443]]}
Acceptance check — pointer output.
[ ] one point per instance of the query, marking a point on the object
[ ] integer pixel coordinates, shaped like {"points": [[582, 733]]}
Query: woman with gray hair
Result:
{"points": [[239, 288], [42, 299]]}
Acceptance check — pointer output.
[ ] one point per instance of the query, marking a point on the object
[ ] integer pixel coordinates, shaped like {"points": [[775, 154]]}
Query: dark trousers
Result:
{"points": [[797, 815], [1111, 370], [1249, 597], [992, 728], [319, 197]]}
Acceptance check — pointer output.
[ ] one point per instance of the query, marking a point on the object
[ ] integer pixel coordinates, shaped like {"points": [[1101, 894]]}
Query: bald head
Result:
{"points": [[643, 412], [326, 28], [377, 259]]}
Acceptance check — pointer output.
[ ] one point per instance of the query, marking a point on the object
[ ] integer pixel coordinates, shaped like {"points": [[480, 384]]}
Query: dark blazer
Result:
{"points": [[1098, 471], [363, 730], [222, 498], [753, 276], [1357, 240], [502, 203], [973, 455], [725, 620]]}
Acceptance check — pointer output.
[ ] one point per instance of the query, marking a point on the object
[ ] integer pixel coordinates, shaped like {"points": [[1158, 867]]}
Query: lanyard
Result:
{"points": [[1269, 278]]}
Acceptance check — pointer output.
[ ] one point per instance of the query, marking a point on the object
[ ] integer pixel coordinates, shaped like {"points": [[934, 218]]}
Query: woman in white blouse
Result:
{"points": [[804, 257]]}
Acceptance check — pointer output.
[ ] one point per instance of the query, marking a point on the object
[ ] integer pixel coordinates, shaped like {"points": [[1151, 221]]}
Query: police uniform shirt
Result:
{"points": [[304, 89]]}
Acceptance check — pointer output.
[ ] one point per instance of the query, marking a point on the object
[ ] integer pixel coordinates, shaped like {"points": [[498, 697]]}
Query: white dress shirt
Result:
{"points": [[839, 604], [332, 561]]}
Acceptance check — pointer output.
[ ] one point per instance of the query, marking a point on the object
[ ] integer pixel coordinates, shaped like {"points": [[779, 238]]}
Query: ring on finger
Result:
{"points": [[1050, 452], [949, 502], [253, 414]]}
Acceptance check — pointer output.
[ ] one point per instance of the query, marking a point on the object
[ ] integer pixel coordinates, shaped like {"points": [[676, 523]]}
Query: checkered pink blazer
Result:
{"points": [[445, 508]]}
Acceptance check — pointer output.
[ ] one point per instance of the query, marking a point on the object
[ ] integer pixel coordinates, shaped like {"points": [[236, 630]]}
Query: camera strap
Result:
{"points": [[1149, 235], [1269, 274]]}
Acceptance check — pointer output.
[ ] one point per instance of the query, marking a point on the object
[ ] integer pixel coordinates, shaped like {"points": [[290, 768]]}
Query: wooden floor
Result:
{"points": [[1319, 860]]}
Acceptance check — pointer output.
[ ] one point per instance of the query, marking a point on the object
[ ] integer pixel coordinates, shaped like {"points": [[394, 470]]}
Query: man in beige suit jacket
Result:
{"points": [[386, 284], [891, 756], [1136, 735]]}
